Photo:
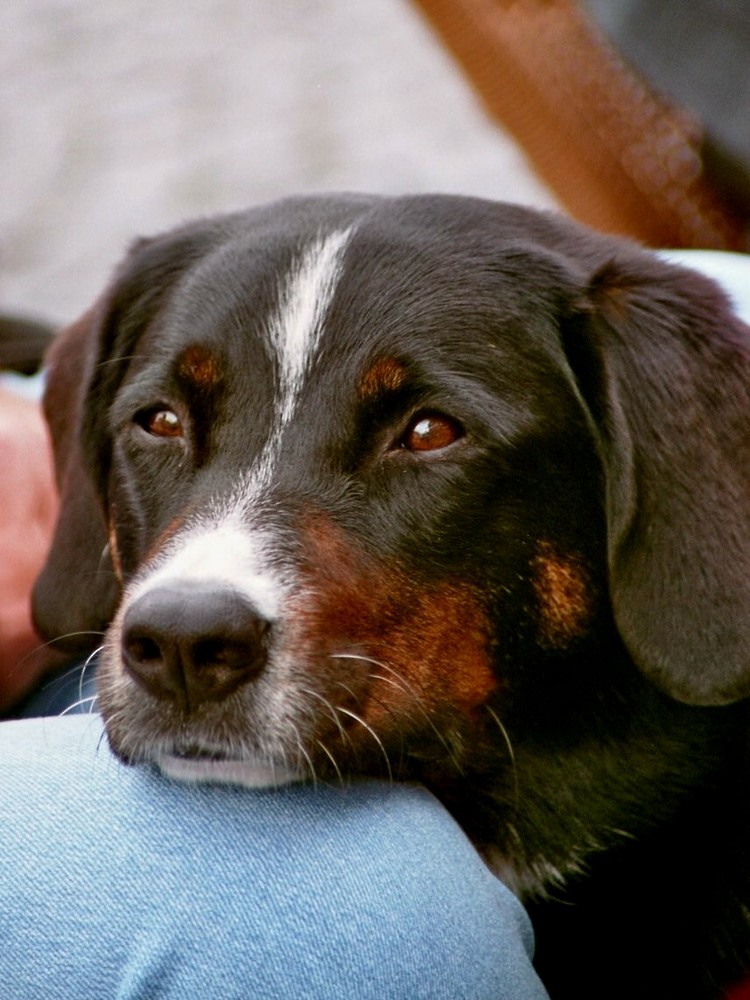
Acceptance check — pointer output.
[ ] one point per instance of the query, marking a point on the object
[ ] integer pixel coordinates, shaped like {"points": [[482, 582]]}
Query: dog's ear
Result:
{"points": [[664, 369], [77, 590], [76, 594]]}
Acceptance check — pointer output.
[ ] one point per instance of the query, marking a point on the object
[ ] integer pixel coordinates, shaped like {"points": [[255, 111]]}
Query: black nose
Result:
{"points": [[193, 644]]}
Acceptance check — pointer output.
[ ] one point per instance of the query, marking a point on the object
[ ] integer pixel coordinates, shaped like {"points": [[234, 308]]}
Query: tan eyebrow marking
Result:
{"points": [[386, 375], [198, 365]]}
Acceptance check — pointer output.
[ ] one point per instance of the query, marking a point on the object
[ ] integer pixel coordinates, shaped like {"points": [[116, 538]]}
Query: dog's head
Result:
{"points": [[368, 484]]}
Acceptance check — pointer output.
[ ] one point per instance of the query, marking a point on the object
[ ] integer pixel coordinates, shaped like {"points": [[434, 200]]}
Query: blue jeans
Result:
{"points": [[116, 882]]}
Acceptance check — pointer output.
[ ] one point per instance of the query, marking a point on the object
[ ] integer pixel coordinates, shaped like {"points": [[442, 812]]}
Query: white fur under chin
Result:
{"points": [[247, 773]]}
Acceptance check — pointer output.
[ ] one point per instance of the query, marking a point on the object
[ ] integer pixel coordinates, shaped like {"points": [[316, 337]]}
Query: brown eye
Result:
{"points": [[431, 432], [161, 422]]}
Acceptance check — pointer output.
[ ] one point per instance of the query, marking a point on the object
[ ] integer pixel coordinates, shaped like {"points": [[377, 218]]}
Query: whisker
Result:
{"points": [[115, 361], [395, 683], [368, 728], [50, 644], [511, 752], [396, 680], [87, 663], [102, 738], [332, 759], [90, 701], [400, 683], [73, 635], [303, 753], [356, 656], [90, 657], [327, 704]]}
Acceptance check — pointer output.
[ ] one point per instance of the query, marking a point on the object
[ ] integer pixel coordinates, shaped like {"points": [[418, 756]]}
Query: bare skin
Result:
{"points": [[28, 507]]}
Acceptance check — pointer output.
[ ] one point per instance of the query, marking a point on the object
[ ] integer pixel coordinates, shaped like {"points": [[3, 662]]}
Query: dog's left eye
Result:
{"points": [[431, 432], [161, 422]]}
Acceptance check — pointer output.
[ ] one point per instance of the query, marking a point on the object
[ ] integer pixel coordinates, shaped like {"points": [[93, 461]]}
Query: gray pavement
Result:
{"points": [[122, 117]]}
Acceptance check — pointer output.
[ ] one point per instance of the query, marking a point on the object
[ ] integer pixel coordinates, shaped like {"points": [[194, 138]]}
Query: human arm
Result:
{"points": [[28, 506]]}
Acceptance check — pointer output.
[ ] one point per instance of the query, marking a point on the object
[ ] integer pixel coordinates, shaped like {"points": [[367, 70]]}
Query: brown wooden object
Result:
{"points": [[618, 155]]}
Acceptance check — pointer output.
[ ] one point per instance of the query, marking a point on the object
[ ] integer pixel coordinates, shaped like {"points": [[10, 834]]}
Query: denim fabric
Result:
{"points": [[116, 882]]}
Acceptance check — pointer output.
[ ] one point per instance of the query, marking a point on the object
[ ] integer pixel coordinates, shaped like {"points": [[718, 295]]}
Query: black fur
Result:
{"points": [[594, 511]]}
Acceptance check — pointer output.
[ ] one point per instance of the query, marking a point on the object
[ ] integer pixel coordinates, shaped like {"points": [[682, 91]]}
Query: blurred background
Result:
{"points": [[123, 117]]}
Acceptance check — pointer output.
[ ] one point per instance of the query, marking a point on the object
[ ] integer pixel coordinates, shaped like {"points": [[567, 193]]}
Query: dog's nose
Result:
{"points": [[193, 644]]}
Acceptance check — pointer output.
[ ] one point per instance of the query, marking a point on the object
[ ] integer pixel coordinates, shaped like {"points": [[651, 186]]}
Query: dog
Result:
{"points": [[442, 490]]}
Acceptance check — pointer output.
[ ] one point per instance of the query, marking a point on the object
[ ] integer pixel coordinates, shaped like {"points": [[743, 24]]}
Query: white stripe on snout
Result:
{"points": [[294, 332], [224, 549], [222, 554]]}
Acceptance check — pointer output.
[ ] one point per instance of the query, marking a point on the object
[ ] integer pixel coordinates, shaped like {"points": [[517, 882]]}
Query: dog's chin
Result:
{"points": [[248, 773]]}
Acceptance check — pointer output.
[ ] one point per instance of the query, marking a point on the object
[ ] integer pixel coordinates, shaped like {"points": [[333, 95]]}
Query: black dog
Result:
{"points": [[443, 490]]}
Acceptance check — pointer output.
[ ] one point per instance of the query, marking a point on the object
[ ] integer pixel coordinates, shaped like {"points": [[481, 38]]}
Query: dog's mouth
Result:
{"points": [[200, 765]]}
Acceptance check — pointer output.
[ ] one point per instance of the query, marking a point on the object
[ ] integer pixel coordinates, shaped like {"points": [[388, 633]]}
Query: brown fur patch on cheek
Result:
{"points": [[414, 644], [442, 646], [198, 366], [564, 596]]}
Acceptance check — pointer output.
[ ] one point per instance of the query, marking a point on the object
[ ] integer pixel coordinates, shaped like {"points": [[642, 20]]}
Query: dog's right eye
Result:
{"points": [[160, 421]]}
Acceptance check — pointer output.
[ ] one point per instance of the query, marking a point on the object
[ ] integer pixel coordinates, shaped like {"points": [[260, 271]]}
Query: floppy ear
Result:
{"points": [[664, 369], [76, 593]]}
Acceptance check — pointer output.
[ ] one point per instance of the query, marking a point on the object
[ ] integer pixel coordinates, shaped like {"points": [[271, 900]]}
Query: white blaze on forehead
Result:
{"points": [[304, 299], [303, 303]]}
